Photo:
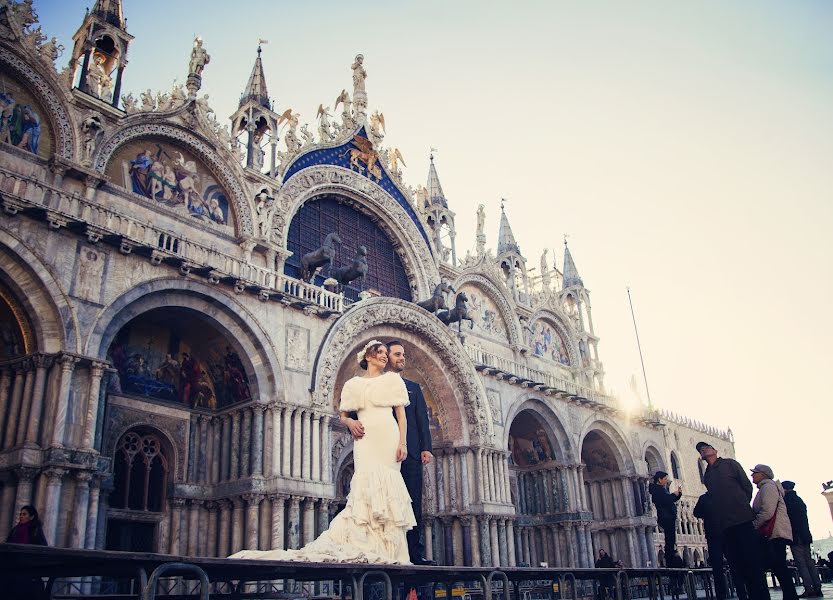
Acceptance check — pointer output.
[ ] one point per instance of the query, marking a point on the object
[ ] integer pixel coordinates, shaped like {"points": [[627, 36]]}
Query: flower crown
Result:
{"points": [[360, 354]]}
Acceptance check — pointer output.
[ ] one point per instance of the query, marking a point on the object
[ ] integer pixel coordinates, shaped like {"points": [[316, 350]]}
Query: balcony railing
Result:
{"points": [[536, 378], [99, 222]]}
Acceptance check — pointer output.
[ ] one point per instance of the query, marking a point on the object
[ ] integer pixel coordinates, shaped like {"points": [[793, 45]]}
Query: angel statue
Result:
{"points": [[293, 144], [309, 139], [395, 159], [377, 122], [324, 123]]}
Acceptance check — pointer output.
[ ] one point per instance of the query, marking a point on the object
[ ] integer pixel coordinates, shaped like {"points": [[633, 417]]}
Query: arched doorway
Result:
{"points": [[141, 472]]}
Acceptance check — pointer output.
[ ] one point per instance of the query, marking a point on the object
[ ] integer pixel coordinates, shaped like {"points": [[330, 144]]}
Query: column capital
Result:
{"points": [[212, 505], [259, 408], [26, 473], [465, 520], [295, 501], [54, 474], [324, 503], [484, 518], [568, 525], [277, 497], [253, 498], [203, 418], [196, 502], [177, 502], [42, 361], [68, 362], [224, 504]]}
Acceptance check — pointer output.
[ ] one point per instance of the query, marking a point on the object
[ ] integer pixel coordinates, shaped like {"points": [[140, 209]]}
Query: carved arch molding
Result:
{"points": [[568, 334], [47, 94], [203, 149], [468, 388], [417, 255]]}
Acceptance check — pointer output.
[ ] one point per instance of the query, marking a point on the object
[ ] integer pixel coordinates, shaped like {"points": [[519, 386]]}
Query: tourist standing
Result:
{"points": [[705, 510], [773, 523], [666, 504], [731, 489], [802, 538], [29, 530]]}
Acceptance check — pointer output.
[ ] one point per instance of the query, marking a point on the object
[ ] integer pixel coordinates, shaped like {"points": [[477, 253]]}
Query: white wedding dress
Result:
{"points": [[372, 526]]}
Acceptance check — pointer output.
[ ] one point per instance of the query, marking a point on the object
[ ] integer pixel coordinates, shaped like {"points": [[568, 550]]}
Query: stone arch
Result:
{"points": [[491, 289], [201, 147], [168, 455], [398, 317], [653, 458], [416, 252], [615, 442], [675, 469], [51, 96], [244, 332], [52, 318], [558, 433], [561, 325]]}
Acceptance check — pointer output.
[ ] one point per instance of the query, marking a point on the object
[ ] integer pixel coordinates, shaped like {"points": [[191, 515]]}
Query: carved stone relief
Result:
{"points": [[297, 348]]}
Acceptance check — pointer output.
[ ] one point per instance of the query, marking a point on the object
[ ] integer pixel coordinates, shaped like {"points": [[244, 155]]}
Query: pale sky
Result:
{"points": [[687, 150]]}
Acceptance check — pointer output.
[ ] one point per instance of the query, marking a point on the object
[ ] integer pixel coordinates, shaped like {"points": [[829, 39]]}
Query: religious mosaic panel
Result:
{"points": [[484, 312], [173, 177], [547, 342], [14, 326], [169, 354], [22, 119], [529, 444]]}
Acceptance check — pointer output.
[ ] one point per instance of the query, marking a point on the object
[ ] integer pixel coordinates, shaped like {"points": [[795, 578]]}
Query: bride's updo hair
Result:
{"points": [[370, 349]]}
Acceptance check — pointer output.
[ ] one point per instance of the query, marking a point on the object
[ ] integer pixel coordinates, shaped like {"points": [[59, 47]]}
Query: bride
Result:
{"points": [[372, 526]]}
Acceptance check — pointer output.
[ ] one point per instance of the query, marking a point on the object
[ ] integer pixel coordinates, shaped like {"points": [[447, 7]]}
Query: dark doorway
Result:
{"points": [[131, 536]]}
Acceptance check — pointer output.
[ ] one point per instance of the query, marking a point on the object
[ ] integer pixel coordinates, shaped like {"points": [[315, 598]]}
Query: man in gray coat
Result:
{"points": [[731, 489]]}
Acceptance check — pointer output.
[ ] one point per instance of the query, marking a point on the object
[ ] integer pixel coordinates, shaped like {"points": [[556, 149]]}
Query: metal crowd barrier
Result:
{"points": [[232, 578]]}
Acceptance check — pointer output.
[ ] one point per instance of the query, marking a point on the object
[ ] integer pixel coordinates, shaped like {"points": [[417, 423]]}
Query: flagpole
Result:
{"points": [[639, 346]]}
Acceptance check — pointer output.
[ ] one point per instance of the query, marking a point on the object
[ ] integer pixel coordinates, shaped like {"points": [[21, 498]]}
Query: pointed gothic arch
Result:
{"points": [[562, 328], [500, 298]]}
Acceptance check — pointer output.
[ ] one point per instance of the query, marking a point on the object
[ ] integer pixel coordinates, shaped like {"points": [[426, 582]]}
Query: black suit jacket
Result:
{"points": [[416, 413]]}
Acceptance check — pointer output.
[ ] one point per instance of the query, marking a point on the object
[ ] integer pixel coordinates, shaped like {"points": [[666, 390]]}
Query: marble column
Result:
{"points": [[224, 535], [323, 516], [278, 521], [92, 514], [522, 506], [589, 541], [294, 521], [306, 442], [485, 541], [42, 363], [252, 519], [14, 405], [439, 480], [23, 496], [176, 519], [201, 450], [237, 517], [643, 547], [206, 469], [326, 467], [316, 447], [507, 485], [448, 538], [225, 448], [465, 525], [51, 513], [216, 450], [582, 491], [78, 521], [527, 546], [210, 546], [630, 533], [428, 531], [510, 540], [584, 558], [495, 544], [464, 478], [90, 421], [257, 441], [23, 418], [478, 469], [5, 389], [276, 413], [298, 417], [451, 470], [557, 559], [309, 520], [246, 443], [234, 465], [489, 472], [286, 442], [571, 544], [503, 543]]}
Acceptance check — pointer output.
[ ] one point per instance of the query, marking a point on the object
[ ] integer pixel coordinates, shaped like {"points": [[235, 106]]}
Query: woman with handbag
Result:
{"points": [[773, 523]]}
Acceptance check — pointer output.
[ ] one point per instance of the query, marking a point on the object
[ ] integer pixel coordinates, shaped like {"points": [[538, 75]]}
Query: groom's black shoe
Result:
{"points": [[424, 562]]}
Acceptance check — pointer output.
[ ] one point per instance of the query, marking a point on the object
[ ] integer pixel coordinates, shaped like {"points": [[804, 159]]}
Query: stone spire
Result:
{"points": [[435, 190], [110, 11], [506, 239], [571, 276], [256, 88]]}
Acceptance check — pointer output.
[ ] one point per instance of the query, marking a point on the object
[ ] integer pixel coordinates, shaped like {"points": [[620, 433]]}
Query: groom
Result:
{"points": [[419, 450]]}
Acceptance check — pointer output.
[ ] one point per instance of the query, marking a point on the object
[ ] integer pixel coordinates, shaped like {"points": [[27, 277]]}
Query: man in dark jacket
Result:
{"points": [[731, 490], [705, 510], [800, 546], [419, 451], [666, 504]]}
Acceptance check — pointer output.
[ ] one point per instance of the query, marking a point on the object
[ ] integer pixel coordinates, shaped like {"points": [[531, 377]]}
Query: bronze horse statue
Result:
{"points": [[319, 258], [457, 314], [437, 301], [356, 270]]}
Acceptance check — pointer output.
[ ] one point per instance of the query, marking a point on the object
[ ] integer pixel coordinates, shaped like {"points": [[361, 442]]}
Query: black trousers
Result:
{"points": [[412, 474], [717, 549], [743, 551], [776, 554], [669, 530]]}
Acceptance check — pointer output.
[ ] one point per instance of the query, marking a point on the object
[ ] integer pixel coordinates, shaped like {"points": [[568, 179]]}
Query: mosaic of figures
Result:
{"points": [[529, 444], [11, 335], [173, 177], [160, 360], [484, 313], [21, 119], [547, 342]]}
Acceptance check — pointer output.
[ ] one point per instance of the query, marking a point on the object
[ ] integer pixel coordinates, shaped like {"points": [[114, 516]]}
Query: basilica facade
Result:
{"points": [[181, 301]]}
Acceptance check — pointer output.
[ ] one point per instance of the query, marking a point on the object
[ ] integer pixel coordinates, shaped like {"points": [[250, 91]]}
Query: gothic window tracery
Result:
{"points": [[329, 213], [140, 473]]}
